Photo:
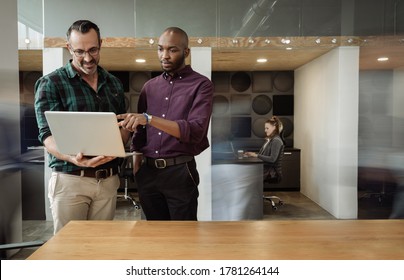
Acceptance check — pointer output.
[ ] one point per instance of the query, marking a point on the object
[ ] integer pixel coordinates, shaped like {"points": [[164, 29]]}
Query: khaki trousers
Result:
{"points": [[81, 198]]}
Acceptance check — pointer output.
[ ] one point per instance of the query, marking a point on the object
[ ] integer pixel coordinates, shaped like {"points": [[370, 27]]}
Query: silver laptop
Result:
{"points": [[92, 133]]}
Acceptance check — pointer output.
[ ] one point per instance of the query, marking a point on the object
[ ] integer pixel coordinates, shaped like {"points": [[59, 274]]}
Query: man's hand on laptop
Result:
{"points": [[130, 121], [84, 161]]}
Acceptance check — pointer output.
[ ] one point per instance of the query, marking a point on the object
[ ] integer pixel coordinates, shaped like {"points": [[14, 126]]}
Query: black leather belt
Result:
{"points": [[161, 163], [101, 173]]}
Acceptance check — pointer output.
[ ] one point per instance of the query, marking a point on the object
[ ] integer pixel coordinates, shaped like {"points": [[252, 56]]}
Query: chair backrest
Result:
{"points": [[278, 164], [282, 135], [274, 174]]}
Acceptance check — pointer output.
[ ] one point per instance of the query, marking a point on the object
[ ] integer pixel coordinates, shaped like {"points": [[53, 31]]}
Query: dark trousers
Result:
{"points": [[170, 193]]}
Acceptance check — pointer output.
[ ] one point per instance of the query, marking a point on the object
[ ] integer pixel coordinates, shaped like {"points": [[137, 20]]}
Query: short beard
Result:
{"points": [[177, 65]]}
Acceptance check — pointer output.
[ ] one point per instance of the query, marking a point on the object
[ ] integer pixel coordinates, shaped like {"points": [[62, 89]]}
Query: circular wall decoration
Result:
{"points": [[262, 104], [258, 127], [240, 81], [283, 81], [287, 127], [30, 80], [137, 80], [220, 105], [134, 98]]}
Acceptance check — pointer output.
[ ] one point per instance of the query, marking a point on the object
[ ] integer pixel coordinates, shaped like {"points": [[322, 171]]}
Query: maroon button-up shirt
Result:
{"points": [[186, 99]]}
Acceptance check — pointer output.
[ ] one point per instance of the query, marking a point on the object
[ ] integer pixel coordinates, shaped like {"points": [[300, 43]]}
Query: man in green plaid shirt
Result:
{"points": [[80, 188]]}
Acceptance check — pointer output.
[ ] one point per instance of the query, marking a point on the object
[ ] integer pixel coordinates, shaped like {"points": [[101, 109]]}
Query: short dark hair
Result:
{"points": [[83, 26]]}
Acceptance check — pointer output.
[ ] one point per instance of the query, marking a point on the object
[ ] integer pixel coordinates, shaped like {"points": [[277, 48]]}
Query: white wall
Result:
{"points": [[202, 63], [53, 58], [326, 130]]}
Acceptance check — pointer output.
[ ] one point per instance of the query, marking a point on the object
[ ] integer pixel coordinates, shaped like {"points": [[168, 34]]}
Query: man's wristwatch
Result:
{"points": [[148, 117]]}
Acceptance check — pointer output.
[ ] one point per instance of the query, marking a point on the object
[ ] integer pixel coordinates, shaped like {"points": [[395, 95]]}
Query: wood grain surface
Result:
{"points": [[244, 240]]}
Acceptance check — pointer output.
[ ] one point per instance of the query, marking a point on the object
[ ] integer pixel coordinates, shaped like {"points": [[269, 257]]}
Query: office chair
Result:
{"points": [[272, 198], [275, 180], [126, 172]]}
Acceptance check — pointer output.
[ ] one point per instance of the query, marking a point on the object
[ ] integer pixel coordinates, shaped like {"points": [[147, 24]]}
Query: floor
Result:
{"points": [[295, 206]]}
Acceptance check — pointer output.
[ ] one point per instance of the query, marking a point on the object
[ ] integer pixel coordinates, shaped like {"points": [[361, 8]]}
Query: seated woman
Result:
{"points": [[271, 152]]}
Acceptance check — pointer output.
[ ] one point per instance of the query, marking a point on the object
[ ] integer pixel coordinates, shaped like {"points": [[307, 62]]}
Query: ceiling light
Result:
{"points": [[267, 41], [27, 41], [199, 41], [285, 41], [251, 41], [140, 60], [382, 59], [289, 48], [334, 40], [350, 40], [234, 41], [151, 41], [318, 41], [262, 60]]}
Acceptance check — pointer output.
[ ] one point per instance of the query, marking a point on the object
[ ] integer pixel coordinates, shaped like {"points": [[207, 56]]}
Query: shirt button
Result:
{"points": [[163, 115], [156, 152], [166, 98], [159, 133], [171, 82]]}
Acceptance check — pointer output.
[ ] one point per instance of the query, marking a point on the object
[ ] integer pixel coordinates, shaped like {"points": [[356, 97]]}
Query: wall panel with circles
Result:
{"points": [[220, 129], [284, 81], [262, 104], [123, 76], [221, 81], [248, 96], [258, 127], [221, 105], [133, 100], [138, 79], [287, 126], [241, 104], [262, 81], [240, 81]]}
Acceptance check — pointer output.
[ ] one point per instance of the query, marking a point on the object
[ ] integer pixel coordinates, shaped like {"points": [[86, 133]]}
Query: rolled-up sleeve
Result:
{"points": [[193, 128], [45, 100]]}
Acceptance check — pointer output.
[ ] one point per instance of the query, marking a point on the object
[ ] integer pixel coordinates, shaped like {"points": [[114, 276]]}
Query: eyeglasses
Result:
{"points": [[81, 53]]}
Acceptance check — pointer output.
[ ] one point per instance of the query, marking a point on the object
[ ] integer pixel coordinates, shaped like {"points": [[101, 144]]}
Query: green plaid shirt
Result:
{"points": [[65, 90]]}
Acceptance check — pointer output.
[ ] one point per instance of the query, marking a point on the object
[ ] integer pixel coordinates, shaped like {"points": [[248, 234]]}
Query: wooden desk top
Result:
{"points": [[245, 240]]}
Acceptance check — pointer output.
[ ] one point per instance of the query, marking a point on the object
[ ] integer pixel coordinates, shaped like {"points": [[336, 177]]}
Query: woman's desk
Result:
{"points": [[244, 240], [237, 189]]}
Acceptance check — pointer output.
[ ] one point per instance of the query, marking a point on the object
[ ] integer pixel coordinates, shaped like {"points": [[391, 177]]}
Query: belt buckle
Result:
{"points": [[160, 163], [101, 174]]}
